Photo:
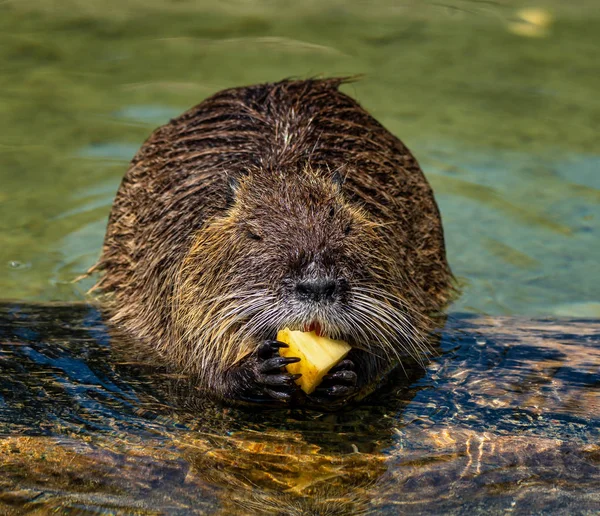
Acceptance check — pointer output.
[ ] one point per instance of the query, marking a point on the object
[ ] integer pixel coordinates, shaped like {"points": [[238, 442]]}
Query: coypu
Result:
{"points": [[281, 204]]}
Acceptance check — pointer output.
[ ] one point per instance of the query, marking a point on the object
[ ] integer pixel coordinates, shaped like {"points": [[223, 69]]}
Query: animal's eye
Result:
{"points": [[253, 236], [347, 229]]}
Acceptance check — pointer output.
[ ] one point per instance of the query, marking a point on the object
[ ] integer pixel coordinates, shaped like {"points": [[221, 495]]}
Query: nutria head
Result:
{"points": [[293, 250]]}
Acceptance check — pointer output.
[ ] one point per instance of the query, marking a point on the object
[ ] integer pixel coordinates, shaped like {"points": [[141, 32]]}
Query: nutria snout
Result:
{"points": [[271, 206]]}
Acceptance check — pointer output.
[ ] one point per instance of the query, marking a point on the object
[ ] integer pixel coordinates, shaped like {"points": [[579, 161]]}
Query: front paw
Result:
{"points": [[271, 376], [337, 386]]}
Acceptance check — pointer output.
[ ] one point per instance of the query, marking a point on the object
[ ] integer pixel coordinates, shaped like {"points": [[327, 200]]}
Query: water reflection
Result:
{"points": [[508, 413]]}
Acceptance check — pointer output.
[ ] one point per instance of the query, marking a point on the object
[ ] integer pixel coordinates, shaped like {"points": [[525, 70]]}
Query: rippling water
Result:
{"points": [[499, 102], [507, 418]]}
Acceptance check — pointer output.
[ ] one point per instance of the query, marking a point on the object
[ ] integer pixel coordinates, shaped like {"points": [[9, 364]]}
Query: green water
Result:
{"points": [[503, 115], [504, 124]]}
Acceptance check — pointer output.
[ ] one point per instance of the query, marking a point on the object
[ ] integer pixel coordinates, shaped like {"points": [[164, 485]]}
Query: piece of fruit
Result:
{"points": [[317, 355]]}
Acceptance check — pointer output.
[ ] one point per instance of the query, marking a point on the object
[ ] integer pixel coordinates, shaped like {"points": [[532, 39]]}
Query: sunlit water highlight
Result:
{"points": [[507, 417]]}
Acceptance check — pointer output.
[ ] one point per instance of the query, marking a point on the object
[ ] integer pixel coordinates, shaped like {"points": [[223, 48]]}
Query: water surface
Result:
{"points": [[507, 418], [499, 102], [500, 106]]}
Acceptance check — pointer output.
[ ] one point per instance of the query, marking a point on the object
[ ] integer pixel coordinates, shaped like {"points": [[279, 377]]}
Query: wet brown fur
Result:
{"points": [[182, 253]]}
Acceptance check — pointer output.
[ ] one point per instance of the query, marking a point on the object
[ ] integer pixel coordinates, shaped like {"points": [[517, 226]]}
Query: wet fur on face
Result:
{"points": [[238, 284]]}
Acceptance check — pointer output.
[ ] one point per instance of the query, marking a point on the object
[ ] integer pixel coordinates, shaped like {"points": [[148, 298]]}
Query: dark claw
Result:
{"points": [[271, 378], [336, 391], [280, 395], [338, 384], [341, 377], [270, 347], [344, 365], [274, 364], [280, 380]]}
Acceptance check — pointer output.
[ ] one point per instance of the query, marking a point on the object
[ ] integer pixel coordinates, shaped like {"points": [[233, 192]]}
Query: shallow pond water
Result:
{"points": [[505, 419], [499, 102]]}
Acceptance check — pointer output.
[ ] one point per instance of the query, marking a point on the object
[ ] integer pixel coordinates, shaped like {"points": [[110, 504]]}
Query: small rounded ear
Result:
{"points": [[234, 183], [234, 180], [338, 178]]}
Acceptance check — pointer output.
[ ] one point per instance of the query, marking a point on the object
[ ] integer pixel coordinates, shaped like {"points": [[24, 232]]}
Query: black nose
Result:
{"points": [[317, 290]]}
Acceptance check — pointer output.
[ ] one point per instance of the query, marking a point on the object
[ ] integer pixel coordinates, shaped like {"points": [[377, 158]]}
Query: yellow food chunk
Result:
{"points": [[317, 355]]}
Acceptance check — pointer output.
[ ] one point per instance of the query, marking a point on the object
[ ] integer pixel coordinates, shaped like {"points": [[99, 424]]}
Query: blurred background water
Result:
{"points": [[497, 99]]}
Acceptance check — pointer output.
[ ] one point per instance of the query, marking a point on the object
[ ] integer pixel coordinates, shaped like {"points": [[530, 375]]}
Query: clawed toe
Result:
{"points": [[280, 380], [345, 377], [338, 384], [270, 348], [271, 377], [275, 364], [335, 391], [344, 365], [280, 395]]}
